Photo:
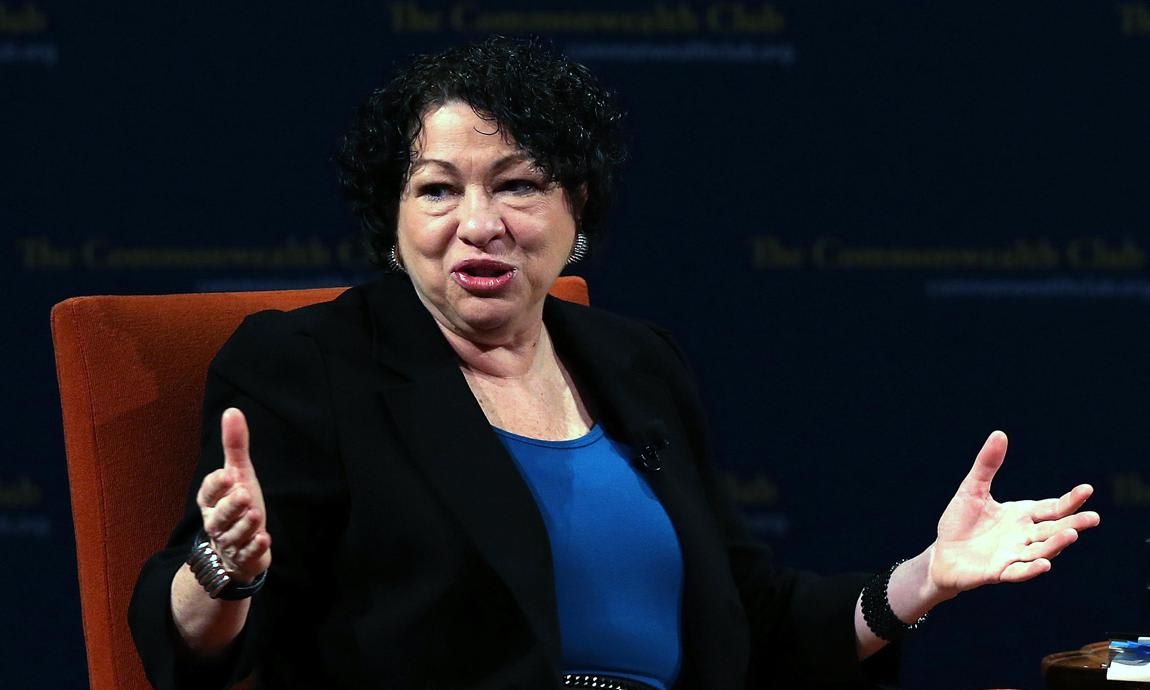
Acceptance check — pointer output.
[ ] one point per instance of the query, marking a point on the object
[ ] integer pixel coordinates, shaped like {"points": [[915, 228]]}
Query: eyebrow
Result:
{"points": [[496, 167]]}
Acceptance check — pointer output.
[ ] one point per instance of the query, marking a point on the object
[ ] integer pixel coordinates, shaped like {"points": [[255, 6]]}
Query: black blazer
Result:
{"points": [[409, 553]]}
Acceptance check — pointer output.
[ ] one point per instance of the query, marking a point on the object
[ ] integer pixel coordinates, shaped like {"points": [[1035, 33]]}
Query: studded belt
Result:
{"points": [[579, 680]]}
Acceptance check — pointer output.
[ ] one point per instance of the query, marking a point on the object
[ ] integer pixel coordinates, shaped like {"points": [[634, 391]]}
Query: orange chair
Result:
{"points": [[131, 373]]}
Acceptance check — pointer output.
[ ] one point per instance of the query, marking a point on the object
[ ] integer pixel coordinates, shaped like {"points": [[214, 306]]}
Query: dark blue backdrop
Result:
{"points": [[880, 230]]}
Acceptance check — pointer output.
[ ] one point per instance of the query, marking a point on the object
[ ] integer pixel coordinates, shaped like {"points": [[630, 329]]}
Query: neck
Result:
{"points": [[516, 356]]}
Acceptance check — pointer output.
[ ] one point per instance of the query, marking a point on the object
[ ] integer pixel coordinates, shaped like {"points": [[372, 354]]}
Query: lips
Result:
{"points": [[483, 276]]}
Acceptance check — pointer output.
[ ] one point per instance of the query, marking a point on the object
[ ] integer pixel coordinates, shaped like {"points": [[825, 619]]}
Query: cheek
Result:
{"points": [[548, 229], [403, 232], [561, 236], [419, 237]]}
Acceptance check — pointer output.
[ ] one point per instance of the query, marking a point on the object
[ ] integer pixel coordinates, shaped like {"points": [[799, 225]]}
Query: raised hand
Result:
{"points": [[981, 541], [232, 505]]}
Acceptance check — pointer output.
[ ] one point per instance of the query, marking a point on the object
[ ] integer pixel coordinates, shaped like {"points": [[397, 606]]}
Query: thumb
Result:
{"points": [[234, 431], [986, 464]]}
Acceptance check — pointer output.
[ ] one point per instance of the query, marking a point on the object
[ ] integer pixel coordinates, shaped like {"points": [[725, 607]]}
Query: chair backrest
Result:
{"points": [[131, 373]]}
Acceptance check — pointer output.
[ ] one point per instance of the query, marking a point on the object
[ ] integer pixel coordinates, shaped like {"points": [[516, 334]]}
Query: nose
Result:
{"points": [[481, 221]]}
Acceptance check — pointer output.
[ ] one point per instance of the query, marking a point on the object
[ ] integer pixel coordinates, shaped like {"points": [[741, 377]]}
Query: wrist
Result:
{"points": [[931, 590], [219, 581], [913, 590], [890, 602]]}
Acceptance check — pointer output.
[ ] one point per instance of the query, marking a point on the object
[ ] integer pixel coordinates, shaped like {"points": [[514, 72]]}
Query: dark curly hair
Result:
{"points": [[552, 108]]}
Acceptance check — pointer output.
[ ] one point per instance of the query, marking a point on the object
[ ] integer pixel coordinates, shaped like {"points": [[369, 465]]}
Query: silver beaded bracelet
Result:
{"points": [[209, 570]]}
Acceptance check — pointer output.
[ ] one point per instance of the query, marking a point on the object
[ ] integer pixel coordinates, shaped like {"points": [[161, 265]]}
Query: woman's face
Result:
{"points": [[481, 232]]}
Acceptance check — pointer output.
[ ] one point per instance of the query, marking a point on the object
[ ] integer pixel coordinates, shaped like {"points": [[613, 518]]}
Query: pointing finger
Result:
{"points": [[234, 431]]}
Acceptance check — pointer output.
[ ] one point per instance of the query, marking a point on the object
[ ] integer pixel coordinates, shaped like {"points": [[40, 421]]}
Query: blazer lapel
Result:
{"points": [[451, 441]]}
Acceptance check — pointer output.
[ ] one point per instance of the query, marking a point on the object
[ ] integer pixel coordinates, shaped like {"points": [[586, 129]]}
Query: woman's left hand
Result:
{"points": [[981, 541]]}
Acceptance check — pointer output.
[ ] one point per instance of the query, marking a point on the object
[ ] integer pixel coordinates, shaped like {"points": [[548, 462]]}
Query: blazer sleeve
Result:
{"points": [[271, 369], [801, 624]]}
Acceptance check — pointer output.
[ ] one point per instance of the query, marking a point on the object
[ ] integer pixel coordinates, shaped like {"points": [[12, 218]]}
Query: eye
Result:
{"points": [[519, 186], [434, 191]]}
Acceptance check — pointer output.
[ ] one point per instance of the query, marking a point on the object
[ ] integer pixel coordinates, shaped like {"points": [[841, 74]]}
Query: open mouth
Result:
{"points": [[483, 276]]}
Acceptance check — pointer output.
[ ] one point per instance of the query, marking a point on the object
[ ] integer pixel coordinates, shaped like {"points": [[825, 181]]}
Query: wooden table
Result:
{"points": [[1083, 669]]}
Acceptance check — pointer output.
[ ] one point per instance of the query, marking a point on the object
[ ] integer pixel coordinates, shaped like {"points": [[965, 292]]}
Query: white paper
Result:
{"points": [[1139, 670]]}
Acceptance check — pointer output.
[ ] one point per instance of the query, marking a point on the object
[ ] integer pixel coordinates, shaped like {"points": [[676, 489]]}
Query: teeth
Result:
{"points": [[485, 272]]}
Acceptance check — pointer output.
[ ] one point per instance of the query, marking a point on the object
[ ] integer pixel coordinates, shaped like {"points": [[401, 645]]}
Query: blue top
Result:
{"points": [[618, 567]]}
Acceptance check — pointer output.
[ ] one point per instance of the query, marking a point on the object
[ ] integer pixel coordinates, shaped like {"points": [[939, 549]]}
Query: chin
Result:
{"points": [[492, 315], [485, 318]]}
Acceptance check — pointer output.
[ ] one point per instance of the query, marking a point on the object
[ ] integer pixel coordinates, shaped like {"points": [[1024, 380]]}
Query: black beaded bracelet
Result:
{"points": [[879, 616], [213, 577]]}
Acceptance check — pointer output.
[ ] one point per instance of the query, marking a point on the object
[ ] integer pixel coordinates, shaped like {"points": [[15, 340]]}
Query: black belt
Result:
{"points": [[578, 680]]}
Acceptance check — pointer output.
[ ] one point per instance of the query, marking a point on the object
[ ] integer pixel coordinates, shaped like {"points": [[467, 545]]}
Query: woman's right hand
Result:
{"points": [[232, 505]]}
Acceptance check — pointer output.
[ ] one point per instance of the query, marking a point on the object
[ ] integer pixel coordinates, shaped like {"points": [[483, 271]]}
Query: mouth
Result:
{"points": [[483, 276]]}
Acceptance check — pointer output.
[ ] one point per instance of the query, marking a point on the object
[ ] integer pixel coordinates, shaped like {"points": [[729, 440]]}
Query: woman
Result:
{"points": [[470, 485]]}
